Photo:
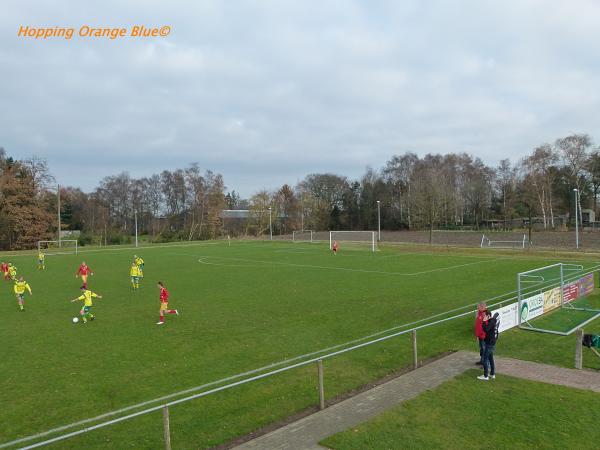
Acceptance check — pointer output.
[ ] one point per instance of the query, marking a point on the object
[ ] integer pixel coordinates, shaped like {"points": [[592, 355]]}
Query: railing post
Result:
{"points": [[578, 349], [166, 428], [414, 345], [321, 388]]}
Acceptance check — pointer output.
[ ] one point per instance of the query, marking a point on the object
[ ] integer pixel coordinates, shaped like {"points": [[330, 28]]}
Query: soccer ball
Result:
{"points": [[75, 319]]}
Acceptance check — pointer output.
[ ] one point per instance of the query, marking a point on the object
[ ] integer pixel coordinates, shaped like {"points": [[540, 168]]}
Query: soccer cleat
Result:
{"points": [[493, 377], [482, 377], [176, 312], [159, 323]]}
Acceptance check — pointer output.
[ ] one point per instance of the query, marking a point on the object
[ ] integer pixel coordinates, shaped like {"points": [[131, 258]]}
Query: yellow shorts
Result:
{"points": [[164, 306]]}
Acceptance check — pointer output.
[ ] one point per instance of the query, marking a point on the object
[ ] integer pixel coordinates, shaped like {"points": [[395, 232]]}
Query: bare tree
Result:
{"points": [[40, 173], [399, 173], [593, 167], [573, 150], [506, 181], [538, 166], [427, 194]]}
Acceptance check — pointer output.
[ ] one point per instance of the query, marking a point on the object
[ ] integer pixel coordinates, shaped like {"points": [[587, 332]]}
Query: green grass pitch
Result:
{"points": [[463, 413], [242, 307]]}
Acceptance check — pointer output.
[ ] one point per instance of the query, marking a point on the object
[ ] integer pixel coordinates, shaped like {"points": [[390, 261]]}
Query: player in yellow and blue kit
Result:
{"points": [[41, 260], [139, 262], [12, 271], [134, 273], [20, 286], [86, 296]]}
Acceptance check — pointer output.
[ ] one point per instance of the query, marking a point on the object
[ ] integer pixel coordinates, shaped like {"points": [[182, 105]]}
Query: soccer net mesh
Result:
{"points": [[64, 246], [302, 236], [563, 290], [356, 239]]}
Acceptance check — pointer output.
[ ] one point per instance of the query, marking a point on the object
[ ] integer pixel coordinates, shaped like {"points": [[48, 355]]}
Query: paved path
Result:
{"points": [[306, 433], [580, 379]]}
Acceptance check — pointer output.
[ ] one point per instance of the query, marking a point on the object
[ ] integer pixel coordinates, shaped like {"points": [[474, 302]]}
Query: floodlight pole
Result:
{"points": [[378, 220], [136, 229], [58, 210], [270, 225], [576, 218]]}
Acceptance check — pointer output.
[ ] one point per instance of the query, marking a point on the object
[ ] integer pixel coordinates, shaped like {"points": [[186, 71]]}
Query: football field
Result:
{"points": [[242, 306]]}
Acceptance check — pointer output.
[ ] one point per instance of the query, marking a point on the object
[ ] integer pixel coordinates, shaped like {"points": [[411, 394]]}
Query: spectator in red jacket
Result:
{"points": [[479, 333]]}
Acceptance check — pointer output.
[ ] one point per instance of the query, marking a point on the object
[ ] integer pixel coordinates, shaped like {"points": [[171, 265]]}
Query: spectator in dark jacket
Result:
{"points": [[479, 334], [489, 328]]}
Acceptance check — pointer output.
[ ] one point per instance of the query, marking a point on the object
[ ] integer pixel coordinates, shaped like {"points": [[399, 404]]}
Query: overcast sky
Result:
{"points": [[266, 92]]}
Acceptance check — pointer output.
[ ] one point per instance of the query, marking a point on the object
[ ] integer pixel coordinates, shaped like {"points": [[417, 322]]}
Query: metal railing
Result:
{"points": [[164, 406]]}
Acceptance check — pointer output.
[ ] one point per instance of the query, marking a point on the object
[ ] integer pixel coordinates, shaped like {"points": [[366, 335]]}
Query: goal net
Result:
{"points": [[357, 239], [302, 236], [62, 247], [563, 290], [517, 242]]}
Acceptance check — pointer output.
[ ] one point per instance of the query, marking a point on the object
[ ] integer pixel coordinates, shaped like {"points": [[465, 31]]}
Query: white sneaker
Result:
{"points": [[482, 377], [159, 323], [493, 377]]}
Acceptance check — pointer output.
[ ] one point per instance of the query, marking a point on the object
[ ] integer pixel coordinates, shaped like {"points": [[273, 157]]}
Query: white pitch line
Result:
{"points": [[30, 253], [446, 255], [344, 269]]}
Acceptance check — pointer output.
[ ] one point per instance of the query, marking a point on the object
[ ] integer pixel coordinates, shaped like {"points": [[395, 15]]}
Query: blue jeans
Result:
{"points": [[481, 346], [488, 360]]}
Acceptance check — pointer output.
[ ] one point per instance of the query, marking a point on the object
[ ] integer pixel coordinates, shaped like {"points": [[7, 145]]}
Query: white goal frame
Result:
{"points": [[532, 282], [296, 232], [59, 245], [371, 234], [487, 242]]}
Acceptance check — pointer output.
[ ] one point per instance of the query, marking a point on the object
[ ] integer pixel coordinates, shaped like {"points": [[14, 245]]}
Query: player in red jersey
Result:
{"points": [[164, 304], [334, 247], [4, 269], [84, 270]]}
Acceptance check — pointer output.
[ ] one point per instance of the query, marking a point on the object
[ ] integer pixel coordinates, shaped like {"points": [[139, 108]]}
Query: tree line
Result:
{"points": [[451, 191]]}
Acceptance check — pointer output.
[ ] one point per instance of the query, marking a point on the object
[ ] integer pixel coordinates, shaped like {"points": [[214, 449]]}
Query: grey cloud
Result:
{"points": [[266, 92]]}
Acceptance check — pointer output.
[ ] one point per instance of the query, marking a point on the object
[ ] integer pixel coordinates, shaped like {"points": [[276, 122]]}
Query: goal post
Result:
{"points": [[64, 246], [520, 242], [302, 236], [552, 288], [355, 237]]}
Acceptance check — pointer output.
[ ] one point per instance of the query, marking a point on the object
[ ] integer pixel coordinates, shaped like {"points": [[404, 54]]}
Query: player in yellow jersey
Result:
{"points": [[86, 296], [12, 271], [20, 286], [134, 273], [140, 263], [41, 260]]}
